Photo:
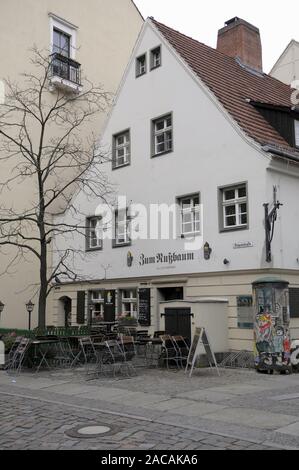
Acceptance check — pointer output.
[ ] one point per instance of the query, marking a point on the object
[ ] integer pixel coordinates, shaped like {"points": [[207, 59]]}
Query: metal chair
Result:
{"points": [[182, 349], [169, 352], [113, 359], [86, 352], [19, 356]]}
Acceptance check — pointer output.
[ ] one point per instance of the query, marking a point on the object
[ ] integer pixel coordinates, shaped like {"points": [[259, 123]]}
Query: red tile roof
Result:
{"points": [[233, 84]]}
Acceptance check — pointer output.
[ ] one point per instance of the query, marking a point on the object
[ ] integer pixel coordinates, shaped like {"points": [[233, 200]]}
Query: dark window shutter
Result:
{"points": [[81, 307], [294, 302]]}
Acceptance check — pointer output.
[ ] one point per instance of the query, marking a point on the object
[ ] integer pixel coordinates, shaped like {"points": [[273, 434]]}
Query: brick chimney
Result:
{"points": [[241, 39]]}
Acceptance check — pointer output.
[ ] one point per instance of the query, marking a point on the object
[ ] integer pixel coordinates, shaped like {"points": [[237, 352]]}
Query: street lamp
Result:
{"points": [[91, 310], [1, 308], [29, 307]]}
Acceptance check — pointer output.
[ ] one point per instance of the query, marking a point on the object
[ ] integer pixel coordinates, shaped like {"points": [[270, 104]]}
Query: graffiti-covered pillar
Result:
{"points": [[272, 342]]}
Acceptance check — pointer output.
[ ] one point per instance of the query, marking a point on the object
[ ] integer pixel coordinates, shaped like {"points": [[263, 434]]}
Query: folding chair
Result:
{"points": [[169, 352], [86, 351], [113, 359], [19, 356], [12, 351], [182, 349]]}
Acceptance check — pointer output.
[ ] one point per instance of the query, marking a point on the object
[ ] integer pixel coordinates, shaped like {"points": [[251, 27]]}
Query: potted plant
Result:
{"points": [[127, 320]]}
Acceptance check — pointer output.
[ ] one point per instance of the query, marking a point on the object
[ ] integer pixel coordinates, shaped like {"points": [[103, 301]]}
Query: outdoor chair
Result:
{"points": [[157, 334], [12, 351], [86, 353], [169, 352], [64, 355], [128, 347], [19, 355], [113, 359], [182, 349]]}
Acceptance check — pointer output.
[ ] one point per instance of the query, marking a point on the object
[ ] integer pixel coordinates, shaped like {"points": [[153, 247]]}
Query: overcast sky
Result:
{"points": [[278, 20]]}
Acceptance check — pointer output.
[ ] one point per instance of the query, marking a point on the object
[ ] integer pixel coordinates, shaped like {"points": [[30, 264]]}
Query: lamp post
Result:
{"points": [[29, 307], [91, 310], [1, 308]]}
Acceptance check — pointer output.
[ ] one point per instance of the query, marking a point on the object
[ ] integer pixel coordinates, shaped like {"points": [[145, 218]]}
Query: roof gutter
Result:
{"points": [[280, 152]]}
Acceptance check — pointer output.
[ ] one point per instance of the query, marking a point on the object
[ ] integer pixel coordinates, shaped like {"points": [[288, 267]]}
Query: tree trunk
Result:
{"points": [[42, 301]]}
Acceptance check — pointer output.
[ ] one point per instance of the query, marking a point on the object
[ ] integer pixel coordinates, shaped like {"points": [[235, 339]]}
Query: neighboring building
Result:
{"points": [[286, 69], [214, 134], [91, 39]]}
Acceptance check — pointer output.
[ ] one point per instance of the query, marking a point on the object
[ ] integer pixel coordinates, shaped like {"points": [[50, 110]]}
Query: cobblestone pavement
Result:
{"points": [[34, 424], [157, 409]]}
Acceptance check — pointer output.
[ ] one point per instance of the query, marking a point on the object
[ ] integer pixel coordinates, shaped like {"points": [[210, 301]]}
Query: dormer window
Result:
{"points": [[155, 57], [296, 132], [141, 65]]}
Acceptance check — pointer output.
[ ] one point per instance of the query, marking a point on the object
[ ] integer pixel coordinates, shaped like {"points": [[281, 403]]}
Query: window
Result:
{"points": [[296, 132], [141, 65], [129, 302], [94, 233], [121, 150], [121, 228], [294, 302], [245, 311], [155, 58], [61, 43], [97, 298], [234, 210], [190, 215], [162, 135]]}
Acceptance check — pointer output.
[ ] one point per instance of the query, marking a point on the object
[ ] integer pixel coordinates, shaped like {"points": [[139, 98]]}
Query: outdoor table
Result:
{"points": [[40, 353]]}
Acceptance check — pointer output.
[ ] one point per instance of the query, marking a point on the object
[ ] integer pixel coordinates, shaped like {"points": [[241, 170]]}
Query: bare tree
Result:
{"points": [[42, 143]]}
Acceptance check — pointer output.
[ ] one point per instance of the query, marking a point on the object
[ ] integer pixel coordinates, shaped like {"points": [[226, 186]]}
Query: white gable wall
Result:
{"points": [[208, 152]]}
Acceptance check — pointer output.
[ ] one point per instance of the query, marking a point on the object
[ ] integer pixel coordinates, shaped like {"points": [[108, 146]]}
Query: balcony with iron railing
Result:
{"points": [[65, 72]]}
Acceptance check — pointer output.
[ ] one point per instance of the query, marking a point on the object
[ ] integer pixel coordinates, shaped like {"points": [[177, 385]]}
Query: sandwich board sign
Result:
{"points": [[200, 339]]}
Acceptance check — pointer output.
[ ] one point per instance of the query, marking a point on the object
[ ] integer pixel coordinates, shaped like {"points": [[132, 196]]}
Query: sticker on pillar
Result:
{"points": [[2, 353]]}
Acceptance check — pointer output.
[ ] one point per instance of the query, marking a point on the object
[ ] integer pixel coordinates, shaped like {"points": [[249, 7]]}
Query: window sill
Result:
{"points": [[120, 245], [121, 166], [161, 153], [140, 74], [190, 235], [233, 229], [88, 250], [156, 67]]}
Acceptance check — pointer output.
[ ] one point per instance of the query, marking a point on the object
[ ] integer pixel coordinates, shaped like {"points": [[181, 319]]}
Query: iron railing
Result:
{"points": [[65, 68]]}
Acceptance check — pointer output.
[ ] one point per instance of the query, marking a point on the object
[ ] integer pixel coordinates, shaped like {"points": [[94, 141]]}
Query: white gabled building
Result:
{"points": [[286, 68], [212, 133]]}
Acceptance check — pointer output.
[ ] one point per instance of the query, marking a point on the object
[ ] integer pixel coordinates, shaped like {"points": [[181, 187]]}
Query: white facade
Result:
{"points": [[286, 69], [209, 152]]}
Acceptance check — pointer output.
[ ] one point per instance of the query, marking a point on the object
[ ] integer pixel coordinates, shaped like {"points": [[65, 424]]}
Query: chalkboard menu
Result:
{"points": [[144, 306]]}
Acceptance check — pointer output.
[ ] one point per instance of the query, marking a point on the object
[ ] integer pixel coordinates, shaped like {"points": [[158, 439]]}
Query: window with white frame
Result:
{"points": [[234, 202], [190, 215], [155, 57], [94, 238], [121, 149], [97, 299], [129, 302], [162, 135], [141, 65], [297, 132], [121, 228]]}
